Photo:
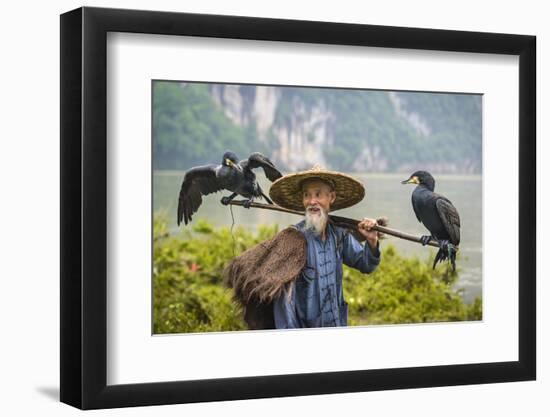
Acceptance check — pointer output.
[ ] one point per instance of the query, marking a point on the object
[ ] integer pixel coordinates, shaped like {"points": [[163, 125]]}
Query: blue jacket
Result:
{"points": [[316, 298]]}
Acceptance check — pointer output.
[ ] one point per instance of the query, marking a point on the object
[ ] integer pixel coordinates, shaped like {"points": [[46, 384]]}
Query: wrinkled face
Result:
{"points": [[317, 197]]}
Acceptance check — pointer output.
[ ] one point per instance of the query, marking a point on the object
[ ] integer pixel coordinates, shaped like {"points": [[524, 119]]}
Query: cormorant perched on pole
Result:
{"points": [[231, 175], [438, 214]]}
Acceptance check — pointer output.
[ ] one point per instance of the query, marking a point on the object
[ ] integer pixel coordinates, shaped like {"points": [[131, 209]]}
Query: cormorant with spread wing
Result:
{"points": [[438, 214], [231, 175]]}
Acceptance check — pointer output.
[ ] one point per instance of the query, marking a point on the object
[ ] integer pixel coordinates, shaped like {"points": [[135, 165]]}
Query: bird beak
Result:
{"points": [[230, 163], [411, 180]]}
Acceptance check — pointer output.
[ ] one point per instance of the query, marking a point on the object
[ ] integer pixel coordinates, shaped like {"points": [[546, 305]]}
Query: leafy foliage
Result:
{"points": [[188, 295], [188, 128], [405, 290]]}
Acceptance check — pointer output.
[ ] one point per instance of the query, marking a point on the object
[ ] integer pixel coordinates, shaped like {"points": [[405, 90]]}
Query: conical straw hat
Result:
{"points": [[287, 190]]}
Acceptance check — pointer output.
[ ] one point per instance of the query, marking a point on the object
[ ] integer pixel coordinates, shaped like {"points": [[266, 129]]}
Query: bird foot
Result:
{"points": [[247, 203], [451, 250], [425, 239], [225, 200], [444, 244]]}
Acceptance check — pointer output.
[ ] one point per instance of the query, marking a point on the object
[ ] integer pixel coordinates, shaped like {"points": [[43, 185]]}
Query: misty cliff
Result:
{"points": [[349, 130]]}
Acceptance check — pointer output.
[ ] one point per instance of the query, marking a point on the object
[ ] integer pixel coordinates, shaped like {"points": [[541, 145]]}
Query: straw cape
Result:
{"points": [[264, 272], [287, 190]]}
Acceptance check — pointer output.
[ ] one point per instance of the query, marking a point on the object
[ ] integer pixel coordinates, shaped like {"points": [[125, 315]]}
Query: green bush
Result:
{"points": [[188, 294], [405, 290]]}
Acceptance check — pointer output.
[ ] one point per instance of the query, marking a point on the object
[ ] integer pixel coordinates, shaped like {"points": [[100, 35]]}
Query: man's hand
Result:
{"points": [[365, 228]]}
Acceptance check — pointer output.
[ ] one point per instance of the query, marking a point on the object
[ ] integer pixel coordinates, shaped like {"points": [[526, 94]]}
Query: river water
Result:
{"points": [[385, 196]]}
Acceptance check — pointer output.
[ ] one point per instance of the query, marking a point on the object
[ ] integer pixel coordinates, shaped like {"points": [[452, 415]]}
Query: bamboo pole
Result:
{"points": [[341, 221]]}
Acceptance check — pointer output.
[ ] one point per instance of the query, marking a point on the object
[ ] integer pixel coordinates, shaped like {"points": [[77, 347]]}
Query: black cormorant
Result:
{"points": [[231, 175], [438, 214]]}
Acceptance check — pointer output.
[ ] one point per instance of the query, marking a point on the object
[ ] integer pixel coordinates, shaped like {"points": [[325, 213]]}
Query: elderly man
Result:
{"points": [[315, 298]]}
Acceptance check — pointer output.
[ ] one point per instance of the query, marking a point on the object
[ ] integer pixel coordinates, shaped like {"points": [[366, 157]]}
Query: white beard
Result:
{"points": [[316, 222]]}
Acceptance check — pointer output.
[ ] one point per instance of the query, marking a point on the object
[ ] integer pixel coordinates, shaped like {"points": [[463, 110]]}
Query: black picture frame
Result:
{"points": [[84, 207]]}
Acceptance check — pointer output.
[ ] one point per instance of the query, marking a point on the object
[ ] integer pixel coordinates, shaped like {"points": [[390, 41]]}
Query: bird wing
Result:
{"points": [[450, 218], [257, 160], [197, 182]]}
